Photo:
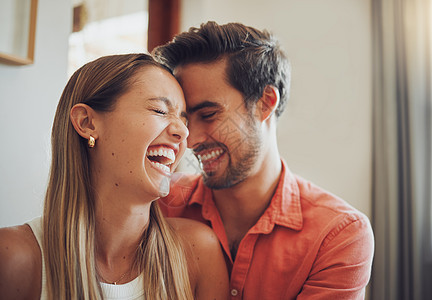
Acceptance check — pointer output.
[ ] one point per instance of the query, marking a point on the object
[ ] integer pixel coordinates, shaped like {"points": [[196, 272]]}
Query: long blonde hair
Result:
{"points": [[69, 218]]}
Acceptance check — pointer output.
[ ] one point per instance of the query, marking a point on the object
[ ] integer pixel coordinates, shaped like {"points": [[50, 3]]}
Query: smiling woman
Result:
{"points": [[117, 136]]}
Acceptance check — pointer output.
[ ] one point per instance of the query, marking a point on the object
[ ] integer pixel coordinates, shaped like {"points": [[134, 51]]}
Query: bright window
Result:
{"points": [[111, 27]]}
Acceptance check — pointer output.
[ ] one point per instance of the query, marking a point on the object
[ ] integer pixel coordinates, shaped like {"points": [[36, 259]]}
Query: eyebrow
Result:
{"points": [[168, 103], [163, 99], [202, 105]]}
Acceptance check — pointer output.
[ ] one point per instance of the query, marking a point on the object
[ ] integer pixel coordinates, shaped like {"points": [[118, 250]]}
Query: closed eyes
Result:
{"points": [[208, 115], [159, 111]]}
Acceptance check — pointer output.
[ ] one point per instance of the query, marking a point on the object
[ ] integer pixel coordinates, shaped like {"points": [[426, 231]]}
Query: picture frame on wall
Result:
{"points": [[17, 31]]}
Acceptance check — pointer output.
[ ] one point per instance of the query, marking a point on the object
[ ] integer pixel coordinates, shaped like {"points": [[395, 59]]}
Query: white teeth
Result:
{"points": [[171, 155], [161, 166], [168, 153], [210, 155]]}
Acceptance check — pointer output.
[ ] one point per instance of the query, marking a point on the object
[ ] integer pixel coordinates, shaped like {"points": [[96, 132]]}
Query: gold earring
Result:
{"points": [[91, 142]]}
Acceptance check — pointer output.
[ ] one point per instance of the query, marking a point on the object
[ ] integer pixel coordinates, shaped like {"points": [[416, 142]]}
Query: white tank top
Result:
{"points": [[133, 290]]}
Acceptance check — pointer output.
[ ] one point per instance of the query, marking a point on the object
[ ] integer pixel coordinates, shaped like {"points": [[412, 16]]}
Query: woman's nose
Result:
{"points": [[178, 130]]}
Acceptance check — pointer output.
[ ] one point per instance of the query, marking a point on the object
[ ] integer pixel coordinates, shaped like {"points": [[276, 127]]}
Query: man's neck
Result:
{"points": [[241, 206]]}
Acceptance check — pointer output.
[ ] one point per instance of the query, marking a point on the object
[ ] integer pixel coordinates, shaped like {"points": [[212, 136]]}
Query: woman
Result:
{"points": [[118, 134]]}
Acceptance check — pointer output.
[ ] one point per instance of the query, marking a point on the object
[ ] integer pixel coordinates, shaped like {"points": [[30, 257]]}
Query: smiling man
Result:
{"points": [[283, 237]]}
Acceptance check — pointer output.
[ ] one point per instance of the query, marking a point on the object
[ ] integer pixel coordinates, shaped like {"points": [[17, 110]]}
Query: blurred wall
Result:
{"points": [[28, 99], [325, 132]]}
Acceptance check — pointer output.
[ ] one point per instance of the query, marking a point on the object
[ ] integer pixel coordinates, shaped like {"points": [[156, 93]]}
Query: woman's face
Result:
{"points": [[142, 140]]}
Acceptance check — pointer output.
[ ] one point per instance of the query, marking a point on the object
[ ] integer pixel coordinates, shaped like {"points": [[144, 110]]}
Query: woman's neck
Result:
{"points": [[118, 234]]}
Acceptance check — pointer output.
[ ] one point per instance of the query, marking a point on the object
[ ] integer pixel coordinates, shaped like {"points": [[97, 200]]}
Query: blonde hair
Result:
{"points": [[69, 219]]}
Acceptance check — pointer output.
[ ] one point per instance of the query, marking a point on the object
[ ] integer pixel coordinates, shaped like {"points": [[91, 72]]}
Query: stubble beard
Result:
{"points": [[240, 162]]}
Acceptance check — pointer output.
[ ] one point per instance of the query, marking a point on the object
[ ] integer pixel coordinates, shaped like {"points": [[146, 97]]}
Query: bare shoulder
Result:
{"points": [[209, 272], [197, 234], [21, 263]]}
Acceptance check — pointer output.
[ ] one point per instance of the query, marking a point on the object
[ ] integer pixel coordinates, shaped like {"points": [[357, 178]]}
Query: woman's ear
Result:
{"points": [[83, 120], [268, 103]]}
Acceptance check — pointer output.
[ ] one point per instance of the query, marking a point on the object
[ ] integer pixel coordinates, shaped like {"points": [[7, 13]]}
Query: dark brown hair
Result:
{"points": [[255, 59]]}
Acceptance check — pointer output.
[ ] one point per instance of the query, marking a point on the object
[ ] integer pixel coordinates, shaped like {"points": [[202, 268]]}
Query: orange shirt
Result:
{"points": [[308, 244]]}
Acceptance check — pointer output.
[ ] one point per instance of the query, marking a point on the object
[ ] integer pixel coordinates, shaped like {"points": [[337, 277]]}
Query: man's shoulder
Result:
{"points": [[321, 204], [330, 219]]}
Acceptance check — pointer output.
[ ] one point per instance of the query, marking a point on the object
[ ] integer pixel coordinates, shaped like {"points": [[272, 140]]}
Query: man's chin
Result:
{"points": [[212, 181], [218, 182]]}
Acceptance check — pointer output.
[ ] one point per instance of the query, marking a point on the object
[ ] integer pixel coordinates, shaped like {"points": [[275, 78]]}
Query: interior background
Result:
{"points": [[324, 134]]}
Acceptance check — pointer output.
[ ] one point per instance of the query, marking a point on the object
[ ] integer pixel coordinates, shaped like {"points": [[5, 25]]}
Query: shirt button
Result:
{"points": [[234, 292]]}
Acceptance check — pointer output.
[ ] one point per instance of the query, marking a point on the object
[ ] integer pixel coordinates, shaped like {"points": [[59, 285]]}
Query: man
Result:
{"points": [[282, 236]]}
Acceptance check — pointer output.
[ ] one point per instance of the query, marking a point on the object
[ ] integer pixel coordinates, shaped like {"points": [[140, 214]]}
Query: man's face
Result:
{"points": [[223, 133]]}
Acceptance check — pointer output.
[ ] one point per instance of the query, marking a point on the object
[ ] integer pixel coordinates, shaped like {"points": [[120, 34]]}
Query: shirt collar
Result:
{"points": [[284, 209]]}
